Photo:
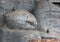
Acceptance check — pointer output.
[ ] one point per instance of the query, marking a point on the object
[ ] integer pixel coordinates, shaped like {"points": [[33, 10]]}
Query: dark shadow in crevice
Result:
{"points": [[56, 3], [13, 9], [47, 30]]}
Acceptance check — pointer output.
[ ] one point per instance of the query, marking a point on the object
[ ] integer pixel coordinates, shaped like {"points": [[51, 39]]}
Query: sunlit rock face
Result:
{"points": [[21, 19], [48, 16]]}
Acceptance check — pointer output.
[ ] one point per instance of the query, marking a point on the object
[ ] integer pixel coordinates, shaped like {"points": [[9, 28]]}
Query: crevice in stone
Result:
{"points": [[56, 3]]}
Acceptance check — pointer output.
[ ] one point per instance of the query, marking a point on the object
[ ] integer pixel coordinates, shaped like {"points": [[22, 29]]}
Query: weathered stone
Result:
{"points": [[1, 19], [54, 0], [6, 6], [48, 16], [48, 36], [55, 32], [7, 35], [45, 40], [21, 19], [22, 33], [25, 4]]}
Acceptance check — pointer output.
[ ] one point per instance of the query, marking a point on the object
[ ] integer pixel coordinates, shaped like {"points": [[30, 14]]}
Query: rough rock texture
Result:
{"points": [[54, 0], [7, 35], [15, 35], [45, 40], [55, 33], [21, 19], [25, 4], [48, 16], [1, 19], [21, 23], [6, 6]]}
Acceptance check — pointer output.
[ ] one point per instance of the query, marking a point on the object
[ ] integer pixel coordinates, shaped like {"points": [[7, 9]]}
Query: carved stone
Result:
{"points": [[25, 4], [6, 6], [7, 35], [21, 19], [48, 16]]}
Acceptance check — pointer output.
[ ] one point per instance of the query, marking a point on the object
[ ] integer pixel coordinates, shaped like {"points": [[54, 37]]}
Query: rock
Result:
{"points": [[45, 40], [1, 19], [48, 36], [55, 32], [18, 35], [25, 4], [21, 19], [55, 1], [6, 6], [48, 16], [42, 34]]}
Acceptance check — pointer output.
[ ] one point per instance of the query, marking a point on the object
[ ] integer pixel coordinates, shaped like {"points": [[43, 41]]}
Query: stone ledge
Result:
{"points": [[54, 0], [45, 40]]}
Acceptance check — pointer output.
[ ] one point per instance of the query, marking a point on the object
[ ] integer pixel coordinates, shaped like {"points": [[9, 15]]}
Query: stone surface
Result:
{"points": [[21, 19], [6, 6], [47, 36], [45, 40], [54, 0], [48, 16], [55, 33], [1, 19], [25, 4], [7, 35]]}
